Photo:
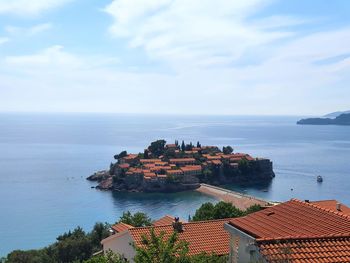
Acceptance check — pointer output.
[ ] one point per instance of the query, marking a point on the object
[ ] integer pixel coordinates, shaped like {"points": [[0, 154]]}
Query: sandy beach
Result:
{"points": [[239, 200]]}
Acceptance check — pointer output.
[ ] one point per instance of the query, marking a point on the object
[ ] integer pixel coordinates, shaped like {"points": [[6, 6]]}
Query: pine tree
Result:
{"points": [[183, 146]]}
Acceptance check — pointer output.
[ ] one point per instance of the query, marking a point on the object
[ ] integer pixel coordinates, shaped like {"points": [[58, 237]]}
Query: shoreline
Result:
{"points": [[239, 200]]}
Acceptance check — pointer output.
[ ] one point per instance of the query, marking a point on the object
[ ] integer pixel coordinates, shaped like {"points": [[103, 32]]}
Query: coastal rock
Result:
{"points": [[106, 184], [99, 176]]}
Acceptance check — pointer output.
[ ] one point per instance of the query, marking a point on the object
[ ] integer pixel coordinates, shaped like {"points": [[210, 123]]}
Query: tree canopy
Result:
{"points": [[222, 209], [137, 220], [157, 147]]}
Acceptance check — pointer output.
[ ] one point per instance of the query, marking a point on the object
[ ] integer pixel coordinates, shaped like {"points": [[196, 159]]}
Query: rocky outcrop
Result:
{"points": [[99, 176], [106, 184]]}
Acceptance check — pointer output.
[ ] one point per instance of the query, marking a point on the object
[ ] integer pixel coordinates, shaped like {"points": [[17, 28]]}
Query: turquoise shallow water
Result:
{"points": [[45, 158]]}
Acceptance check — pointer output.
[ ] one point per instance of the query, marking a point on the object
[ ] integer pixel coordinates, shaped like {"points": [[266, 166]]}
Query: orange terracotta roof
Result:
{"points": [[165, 220], [332, 205], [130, 157], [215, 157], [149, 160], [327, 249], [182, 160], [174, 171], [171, 145], [124, 165], [120, 227], [203, 236], [216, 162], [188, 168], [293, 219], [151, 175]]}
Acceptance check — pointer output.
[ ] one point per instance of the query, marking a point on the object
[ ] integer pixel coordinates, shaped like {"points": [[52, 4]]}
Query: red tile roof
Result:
{"points": [[149, 160], [182, 160], [165, 220], [174, 171], [151, 175], [327, 249], [120, 227], [124, 165], [130, 157], [332, 205], [293, 219], [204, 236], [189, 168]]}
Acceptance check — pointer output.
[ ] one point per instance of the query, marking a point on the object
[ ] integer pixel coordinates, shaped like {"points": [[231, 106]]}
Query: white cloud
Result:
{"points": [[29, 7], [4, 40], [221, 62], [195, 32], [28, 31]]}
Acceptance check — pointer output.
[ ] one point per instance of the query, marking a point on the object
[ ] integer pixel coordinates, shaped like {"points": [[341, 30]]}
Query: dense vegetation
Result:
{"points": [[209, 211], [73, 246], [78, 246]]}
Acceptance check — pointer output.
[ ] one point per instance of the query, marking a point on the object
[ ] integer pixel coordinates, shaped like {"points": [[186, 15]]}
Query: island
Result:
{"points": [[342, 119], [177, 167]]}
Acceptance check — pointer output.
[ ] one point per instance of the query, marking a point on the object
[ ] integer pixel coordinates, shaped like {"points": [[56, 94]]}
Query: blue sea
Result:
{"points": [[45, 158]]}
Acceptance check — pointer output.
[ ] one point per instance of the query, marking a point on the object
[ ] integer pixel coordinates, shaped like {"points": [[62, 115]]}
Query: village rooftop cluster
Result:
{"points": [[175, 162]]}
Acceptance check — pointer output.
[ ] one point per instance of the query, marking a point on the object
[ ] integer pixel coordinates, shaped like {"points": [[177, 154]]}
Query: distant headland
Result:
{"points": [[342, 119], [177, 167]]}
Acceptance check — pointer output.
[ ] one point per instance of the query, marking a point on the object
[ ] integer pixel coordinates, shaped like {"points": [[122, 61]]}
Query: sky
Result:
{"points": [[232, 57]]}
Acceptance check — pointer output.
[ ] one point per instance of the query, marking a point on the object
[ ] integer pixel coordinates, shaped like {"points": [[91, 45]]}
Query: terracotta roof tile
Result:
{"points": [[204, 236], [332, 205], [293, 219], [326, 249], [182, 160], [165, 220], [120, 227]]}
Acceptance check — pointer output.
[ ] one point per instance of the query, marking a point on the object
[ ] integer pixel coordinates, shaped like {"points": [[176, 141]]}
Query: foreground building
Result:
{"points": [[294, 231], [203, 236]]}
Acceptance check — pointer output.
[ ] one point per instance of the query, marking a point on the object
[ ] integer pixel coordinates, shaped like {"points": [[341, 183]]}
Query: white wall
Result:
{"points": [[120, 244]]}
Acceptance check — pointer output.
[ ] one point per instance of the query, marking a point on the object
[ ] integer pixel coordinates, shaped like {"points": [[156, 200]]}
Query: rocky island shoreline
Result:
{"points": [[178, 167]]}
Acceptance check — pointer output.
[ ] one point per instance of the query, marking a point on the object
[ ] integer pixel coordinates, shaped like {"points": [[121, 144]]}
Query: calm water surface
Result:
{"points": [[44, 160]]}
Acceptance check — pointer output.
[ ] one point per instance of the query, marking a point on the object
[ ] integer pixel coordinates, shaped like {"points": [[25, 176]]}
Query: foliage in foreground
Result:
{"points": [[74, 246], [108, 257], [79, 246], [161, 249], [209, 211]]}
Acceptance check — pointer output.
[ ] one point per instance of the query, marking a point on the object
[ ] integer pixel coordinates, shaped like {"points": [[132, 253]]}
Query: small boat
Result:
{"points": [[265, 190], [319, 179]]}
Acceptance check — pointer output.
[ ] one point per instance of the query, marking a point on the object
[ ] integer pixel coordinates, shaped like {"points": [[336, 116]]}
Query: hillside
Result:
{"points": [[342, 119]]}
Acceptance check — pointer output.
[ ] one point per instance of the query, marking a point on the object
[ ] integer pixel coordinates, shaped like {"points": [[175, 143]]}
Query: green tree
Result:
{"points": [[120, 155], [226, 210], [73, 246], [138, 219], [161, 249], [99, 232], [253, 209], [108, 257], [244, 166], [157, 147], [208, 258], [183, 146], [205, 212], [227, 150], [146, 154], [29, 256], [198, 145]]}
